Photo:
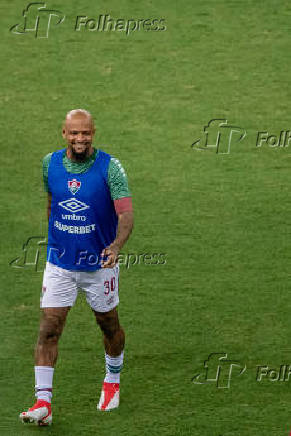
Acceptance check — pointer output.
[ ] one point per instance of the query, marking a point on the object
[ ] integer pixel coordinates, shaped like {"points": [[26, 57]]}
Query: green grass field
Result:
{"points": [[221, 219]]}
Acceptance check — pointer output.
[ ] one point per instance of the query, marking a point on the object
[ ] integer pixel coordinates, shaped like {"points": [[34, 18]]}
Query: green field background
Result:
{"points": [[223, 220]]}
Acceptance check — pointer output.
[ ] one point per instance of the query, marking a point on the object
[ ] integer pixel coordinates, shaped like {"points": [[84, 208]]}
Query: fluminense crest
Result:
{"points": [[74, 186]]}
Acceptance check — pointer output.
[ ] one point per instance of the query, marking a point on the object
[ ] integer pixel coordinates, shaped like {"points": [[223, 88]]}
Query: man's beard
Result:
{"points": [[80, 157]]}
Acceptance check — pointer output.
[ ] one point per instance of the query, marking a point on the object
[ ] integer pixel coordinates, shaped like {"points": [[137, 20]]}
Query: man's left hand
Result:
{"points": [[111, 252]]}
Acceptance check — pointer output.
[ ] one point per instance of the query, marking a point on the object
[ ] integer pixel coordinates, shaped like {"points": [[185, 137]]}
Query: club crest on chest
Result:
{"points": [[74, 186]]}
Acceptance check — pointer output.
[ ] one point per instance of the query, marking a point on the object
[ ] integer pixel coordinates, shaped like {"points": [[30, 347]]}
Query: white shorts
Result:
{"points": [[60, 287]]}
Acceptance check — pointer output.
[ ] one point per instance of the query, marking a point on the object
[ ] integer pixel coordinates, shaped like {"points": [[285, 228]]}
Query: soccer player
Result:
{"points": [[90, 218]]}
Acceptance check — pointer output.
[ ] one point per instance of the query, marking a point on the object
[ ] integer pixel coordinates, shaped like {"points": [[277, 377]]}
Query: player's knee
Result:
{"points": [[50, 330], [109, 324], [109, 328]]}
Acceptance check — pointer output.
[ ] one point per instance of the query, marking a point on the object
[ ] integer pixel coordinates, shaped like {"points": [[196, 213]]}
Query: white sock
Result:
{"points": [[43, 382], [113, 367]]}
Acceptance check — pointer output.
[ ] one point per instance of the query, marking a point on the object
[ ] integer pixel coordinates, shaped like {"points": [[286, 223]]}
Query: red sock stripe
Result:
{"points": [[44, 389]]}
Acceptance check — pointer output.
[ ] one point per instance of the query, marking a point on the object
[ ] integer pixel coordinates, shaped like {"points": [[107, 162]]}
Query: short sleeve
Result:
{"points": [[45, 166], [117, 180]]}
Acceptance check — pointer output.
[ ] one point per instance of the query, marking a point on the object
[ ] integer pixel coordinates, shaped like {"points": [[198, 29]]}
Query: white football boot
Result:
{"points": [[109, 398], [40, 414]]}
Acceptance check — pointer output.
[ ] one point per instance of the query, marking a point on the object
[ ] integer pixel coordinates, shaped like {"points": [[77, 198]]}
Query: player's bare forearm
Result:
{"points": [[124, 229]]}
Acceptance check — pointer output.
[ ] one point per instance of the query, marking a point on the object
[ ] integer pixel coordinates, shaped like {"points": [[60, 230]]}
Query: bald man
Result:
{"points": [[90, 219]]}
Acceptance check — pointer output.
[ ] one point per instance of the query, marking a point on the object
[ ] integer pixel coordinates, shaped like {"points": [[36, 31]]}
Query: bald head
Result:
{"points": [[78, 130], [79, 113]]}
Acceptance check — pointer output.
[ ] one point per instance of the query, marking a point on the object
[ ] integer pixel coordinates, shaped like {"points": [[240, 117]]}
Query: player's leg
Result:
{"points": [[113, 333], [114, 339], [50, 330], [59, 293], [46, 353], [101, 289]]}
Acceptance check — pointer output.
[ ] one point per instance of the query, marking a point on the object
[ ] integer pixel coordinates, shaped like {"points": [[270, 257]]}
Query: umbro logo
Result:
{"points": [[73, 205]]}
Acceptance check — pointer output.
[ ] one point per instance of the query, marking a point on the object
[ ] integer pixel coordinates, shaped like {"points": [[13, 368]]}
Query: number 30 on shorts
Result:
{"points": [[109, 285]]}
